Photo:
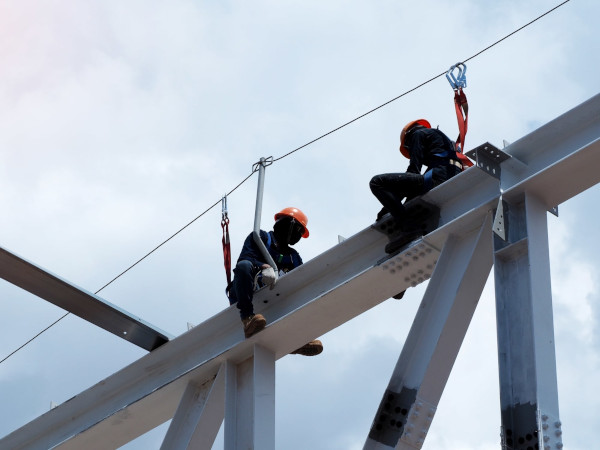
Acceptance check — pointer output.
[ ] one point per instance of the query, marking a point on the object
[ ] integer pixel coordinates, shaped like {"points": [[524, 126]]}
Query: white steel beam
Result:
{"points": [[327, 291], [250, 402], [526, 355], [199, 415], [411, 398], [320, 295], [78, 301]]}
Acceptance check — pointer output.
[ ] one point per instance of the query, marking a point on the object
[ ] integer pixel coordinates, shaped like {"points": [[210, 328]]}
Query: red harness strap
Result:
{"points": [[226, 248], [462, 116]]}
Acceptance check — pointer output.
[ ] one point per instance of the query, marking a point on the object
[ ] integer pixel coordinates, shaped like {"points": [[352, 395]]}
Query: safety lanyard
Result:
{"points": [[225, 240], [461, 106]]}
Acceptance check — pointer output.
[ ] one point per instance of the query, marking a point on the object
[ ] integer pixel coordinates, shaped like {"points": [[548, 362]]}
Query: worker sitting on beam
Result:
{"points": [[252, 272], [422, 145]]}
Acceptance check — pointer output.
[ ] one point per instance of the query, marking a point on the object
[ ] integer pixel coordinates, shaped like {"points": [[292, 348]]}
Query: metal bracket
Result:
{"points": [[554, 210], [500, 225], [488, 158]]}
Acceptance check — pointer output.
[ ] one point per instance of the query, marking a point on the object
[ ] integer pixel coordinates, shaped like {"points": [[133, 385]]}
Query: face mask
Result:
{"points": [[287, 231]]}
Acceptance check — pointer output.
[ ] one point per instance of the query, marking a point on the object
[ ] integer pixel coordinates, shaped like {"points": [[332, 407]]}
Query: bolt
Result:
{"points": [[546, 438], [544, 417], [558, 433], [545, 426], [546, 447], [557, 424], [559, 445]]}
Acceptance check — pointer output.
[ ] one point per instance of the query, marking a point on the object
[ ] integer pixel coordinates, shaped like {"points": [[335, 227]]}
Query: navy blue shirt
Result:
{"points": [[286, 259], [432, 148]]}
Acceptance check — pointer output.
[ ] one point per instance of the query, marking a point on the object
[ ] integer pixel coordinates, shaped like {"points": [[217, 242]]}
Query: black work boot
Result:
{"points": [[405, 238]]}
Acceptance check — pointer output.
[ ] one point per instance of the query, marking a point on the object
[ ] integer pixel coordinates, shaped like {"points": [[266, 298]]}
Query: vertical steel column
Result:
{"points": [[199, 416], [250, 402], [526, 354], [410, 401]]}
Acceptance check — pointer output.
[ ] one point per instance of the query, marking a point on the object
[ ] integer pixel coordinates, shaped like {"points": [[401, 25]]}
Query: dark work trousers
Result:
{"points": [[392, 188], [242, 287]]}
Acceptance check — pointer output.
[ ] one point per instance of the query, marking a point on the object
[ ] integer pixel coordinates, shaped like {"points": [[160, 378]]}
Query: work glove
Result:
{"points": [[268, 276]]}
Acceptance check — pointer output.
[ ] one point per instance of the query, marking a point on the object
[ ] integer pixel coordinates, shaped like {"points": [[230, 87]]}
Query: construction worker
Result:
{"points": [[422, 145], [253, 272]]}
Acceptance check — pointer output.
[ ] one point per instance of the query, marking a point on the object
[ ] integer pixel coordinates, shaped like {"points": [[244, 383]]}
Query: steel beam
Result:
{"points": [[526, 355], [327, 291], [199, 415], [318, 296], [78, 301], [250, 402], [411, 398]]}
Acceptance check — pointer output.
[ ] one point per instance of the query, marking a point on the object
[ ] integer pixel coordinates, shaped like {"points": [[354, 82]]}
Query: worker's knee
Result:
{"points": [[244, 267], [376, 183]]}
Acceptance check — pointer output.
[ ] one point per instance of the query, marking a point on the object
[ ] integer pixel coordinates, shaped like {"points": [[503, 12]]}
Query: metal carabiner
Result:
{"points": [[459, 81], [224, 218]]}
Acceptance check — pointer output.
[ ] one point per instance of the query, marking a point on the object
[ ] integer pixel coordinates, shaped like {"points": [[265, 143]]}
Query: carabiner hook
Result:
{"points": [[459, 81], [224, 218]]}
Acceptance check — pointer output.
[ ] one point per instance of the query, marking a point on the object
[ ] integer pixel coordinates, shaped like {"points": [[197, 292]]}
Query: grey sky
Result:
{"points": [[122, 121]]}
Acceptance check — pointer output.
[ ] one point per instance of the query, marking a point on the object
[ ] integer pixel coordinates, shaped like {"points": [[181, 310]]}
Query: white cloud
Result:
{"points": [[121, 121]]}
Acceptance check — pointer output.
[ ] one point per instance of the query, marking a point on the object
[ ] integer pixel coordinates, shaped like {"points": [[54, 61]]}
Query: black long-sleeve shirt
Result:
{"points": [[432, 148]]}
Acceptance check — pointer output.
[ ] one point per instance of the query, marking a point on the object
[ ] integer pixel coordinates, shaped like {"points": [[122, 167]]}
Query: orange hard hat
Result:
{"points": [[407, 127], [294, 213]]}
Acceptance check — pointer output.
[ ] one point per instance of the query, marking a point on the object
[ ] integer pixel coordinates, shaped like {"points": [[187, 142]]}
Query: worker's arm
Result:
{"points": [[415, 143], [250, 251]]}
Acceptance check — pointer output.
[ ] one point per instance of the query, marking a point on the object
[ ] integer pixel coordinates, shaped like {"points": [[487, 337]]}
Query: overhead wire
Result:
{"points": [[418, 86], [255, 166], [134, 264]]}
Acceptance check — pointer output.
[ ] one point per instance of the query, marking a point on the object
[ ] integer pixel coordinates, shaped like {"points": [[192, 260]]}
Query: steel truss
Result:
{"points": [[212, 373]]}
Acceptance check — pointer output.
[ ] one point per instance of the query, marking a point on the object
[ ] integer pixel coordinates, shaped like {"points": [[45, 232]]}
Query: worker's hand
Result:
{"points": [[268, 276]]}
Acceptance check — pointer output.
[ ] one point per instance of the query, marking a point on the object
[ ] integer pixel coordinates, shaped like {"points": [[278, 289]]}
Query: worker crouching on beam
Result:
{"points": [[252, 272], [422, 145]]}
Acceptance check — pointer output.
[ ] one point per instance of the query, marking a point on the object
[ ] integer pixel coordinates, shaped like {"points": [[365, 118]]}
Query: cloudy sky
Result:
{"points": [[121, 121]]}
